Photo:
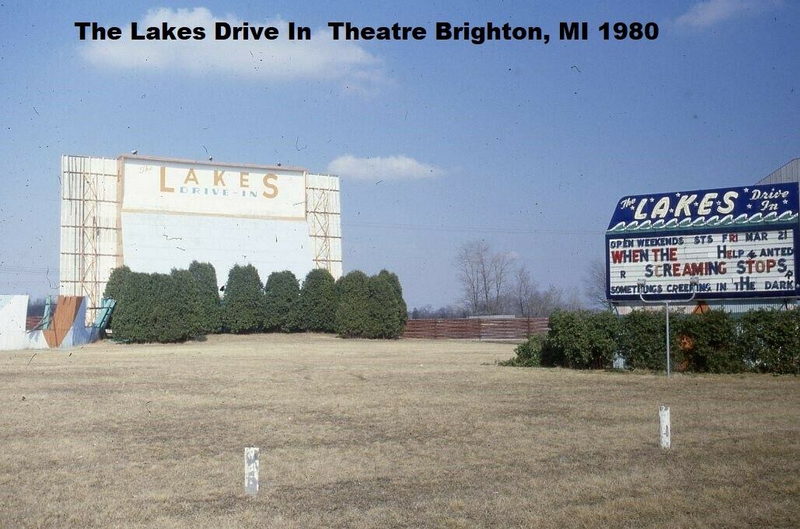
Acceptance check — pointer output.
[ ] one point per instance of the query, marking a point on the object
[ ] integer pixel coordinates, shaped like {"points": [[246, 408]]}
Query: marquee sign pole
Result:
{"points": [[692, 283]]}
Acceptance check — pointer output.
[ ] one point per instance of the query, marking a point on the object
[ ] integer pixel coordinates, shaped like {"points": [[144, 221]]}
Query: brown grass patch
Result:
{"points": [[366, 434]]}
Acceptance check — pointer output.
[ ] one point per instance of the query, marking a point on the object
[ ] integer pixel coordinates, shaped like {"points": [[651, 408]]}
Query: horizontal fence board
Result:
{"points": [[476, 328]]}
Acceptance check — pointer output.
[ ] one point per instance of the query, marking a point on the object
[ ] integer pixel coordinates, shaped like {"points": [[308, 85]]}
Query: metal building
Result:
{"points": [[155, 214], [787, 173]]}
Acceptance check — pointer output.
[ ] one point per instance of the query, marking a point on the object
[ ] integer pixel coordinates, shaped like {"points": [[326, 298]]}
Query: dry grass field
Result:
{"points": [[369, 434]]}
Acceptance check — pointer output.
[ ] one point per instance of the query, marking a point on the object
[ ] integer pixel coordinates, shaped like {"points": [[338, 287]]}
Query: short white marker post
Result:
{"points": [[664, 426], [251, 470]]}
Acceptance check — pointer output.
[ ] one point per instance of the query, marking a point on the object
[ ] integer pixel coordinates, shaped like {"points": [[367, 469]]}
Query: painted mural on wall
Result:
{"points": [[61, 328], [738, 242]]}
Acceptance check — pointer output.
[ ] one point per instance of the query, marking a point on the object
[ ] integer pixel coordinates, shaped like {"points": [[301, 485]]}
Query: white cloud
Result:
{"points": [[319, 58], [710, 12], [382, 168]]}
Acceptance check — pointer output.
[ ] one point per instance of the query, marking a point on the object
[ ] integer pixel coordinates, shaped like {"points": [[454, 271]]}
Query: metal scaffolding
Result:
{"points": [[324, 219], [89, 228]]}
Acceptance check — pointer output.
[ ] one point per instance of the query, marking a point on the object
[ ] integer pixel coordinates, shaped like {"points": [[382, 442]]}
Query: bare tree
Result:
{"points": [[546, 301], [524, 292], [468, 261], [482, 262], [572, 300], [501, 264], [492, 285], [595, 289], [484, 276], [427, 312]]}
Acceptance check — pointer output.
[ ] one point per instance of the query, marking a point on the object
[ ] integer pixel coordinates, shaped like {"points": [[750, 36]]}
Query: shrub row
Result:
{"points": [[155, 307], [716, 341], [186, 304]]}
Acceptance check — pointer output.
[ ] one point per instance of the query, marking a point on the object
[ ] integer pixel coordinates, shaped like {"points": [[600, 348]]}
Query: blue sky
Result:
{"points": [[525, 145]]}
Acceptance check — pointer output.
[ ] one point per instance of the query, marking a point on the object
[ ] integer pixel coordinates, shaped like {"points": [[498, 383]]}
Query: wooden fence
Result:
{"points": [[476, 328]]}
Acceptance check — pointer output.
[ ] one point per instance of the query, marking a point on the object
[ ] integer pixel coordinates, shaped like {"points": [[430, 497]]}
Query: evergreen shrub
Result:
{"points": [[243, 308]]}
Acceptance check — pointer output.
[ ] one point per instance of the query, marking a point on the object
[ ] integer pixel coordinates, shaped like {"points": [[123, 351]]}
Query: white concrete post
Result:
{"points": [[664, 427], [251, 471]]}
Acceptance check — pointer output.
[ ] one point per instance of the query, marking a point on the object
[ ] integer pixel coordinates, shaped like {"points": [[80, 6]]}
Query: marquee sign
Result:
{"points": [[739, 242]]}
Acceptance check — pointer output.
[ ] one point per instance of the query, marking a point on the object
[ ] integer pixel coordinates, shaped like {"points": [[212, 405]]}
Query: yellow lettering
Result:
{"points": [[244, 179], [164, 188], [218, 181], [272, 187], [191, 177]]}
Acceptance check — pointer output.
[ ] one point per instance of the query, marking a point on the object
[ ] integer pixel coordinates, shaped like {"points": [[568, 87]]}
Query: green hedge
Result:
{"points": [[156, 308], [383, 309], [243, 303], [282, 293], [186, 304], [369, 307], [770, 340], [352, 312], [208, 296], [316, 306], [642, 339], [581, 340], [529, 353], [716, 342], [402, 308], [708, 343], [114, 287], [116, 281], [164, 308]]}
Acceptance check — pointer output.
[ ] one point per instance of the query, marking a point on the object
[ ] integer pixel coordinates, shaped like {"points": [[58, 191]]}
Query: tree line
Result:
{"points": [[493, 283], [186, 304]]}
